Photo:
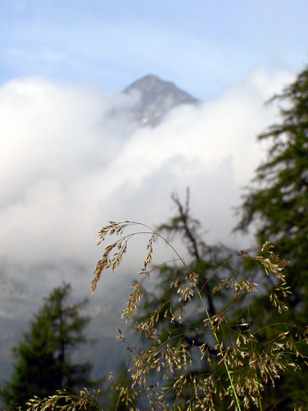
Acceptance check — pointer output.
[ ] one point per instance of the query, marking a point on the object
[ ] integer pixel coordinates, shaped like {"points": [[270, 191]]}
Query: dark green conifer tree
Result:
{"points": [[276, 206], [278, 201], [43, 362]]}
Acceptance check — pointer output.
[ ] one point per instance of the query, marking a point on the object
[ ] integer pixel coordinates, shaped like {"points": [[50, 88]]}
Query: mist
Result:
{"points": [[68, 166], [73, 159]]}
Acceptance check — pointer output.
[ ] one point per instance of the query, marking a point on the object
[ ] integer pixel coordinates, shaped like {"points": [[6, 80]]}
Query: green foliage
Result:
{"points": [[276, 205], [278, 199], [43, 356]]}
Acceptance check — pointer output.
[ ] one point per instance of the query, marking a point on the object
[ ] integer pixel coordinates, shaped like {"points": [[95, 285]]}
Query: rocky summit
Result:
{"points": [[157, 97]]}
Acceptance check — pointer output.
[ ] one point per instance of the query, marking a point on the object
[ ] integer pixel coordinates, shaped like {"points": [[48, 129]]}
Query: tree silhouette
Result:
{"points": [[277, 201], [43, 364]]}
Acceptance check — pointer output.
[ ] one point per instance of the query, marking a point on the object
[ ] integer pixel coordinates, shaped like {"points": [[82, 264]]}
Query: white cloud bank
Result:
{"points": [[67, 168]]}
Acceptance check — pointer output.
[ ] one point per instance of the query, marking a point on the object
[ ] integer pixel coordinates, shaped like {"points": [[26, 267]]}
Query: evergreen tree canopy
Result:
{"points": [[277, 206], [278, 201], [43, 362]]}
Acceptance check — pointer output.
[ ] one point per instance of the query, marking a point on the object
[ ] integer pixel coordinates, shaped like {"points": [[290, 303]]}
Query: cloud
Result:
{"points": [[70, 163], [68, 167]]}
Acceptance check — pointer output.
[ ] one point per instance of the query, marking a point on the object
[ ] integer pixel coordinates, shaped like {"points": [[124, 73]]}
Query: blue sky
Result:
{"points": [[203, 46]]}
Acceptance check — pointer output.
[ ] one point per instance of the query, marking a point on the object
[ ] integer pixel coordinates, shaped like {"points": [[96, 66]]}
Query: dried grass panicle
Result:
{"points": [[113, 228], [132, 302], [113, 253], [163, 358], [148, 326], [243, 363], [240, 286], [148, 259], [271, 261], [71, 402]]}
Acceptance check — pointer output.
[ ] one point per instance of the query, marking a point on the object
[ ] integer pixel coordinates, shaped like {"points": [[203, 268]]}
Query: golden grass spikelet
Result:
{"points": [[270, 261], [72, 402], [240, 286], [131, 305], [113, 253], [244, 360]]}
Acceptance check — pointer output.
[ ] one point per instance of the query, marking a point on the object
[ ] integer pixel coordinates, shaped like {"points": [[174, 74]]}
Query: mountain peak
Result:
{"points": [[157, 98]]}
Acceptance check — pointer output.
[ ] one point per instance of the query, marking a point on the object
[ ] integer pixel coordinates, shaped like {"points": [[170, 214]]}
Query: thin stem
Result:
{"points": [[217, 340], [210, 320]]}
